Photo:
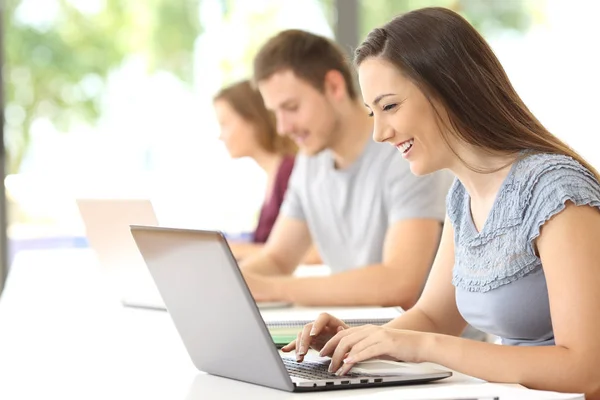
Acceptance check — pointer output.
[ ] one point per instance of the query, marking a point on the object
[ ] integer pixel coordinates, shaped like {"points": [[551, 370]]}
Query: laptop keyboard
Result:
{"points": [[310, 369]]}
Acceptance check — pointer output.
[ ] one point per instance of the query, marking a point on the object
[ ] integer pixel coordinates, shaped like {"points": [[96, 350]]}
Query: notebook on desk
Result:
{"points": [[222, 328]]}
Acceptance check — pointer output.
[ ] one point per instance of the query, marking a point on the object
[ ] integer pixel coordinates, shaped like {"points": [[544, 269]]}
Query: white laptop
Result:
{"points": [[107, 229], [222, 328], [107, 224]]}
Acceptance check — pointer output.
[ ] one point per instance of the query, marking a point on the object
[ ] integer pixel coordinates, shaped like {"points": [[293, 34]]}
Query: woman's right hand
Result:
{"points": [[315, 335]]}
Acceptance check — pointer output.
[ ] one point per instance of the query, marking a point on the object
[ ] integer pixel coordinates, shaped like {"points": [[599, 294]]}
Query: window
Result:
{"points": [[114, 99]]}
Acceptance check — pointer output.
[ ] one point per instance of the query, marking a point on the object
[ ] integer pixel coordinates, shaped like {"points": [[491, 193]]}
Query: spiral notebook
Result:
{"points": [[284, 325]]}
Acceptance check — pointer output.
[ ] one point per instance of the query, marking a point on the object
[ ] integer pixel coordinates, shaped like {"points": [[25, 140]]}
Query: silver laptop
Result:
{"points": [[221, 326], [106, 224]]}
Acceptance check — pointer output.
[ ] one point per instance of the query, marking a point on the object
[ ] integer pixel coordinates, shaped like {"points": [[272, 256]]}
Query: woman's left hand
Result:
{"points": [[353, 345]]}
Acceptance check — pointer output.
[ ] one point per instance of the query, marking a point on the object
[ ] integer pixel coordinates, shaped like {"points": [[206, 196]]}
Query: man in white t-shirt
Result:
{"points": [[373, 222]]}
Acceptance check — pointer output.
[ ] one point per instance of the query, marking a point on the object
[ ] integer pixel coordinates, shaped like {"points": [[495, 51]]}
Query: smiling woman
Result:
{"points": [[518, 255], [404, 118]]}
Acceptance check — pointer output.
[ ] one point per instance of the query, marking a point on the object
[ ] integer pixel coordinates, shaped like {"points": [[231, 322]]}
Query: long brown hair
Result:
{"points": [[441, 53], [248, 103]]}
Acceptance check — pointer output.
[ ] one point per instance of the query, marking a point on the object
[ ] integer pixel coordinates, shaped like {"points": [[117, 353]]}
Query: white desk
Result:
{"points": [[62, 337]]}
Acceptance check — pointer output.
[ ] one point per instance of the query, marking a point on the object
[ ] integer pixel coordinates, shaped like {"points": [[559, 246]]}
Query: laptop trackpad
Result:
{"points": [[384, 367]]}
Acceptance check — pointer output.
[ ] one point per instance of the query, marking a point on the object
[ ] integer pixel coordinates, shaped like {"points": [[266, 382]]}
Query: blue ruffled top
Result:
{"points": [[499, 278]]}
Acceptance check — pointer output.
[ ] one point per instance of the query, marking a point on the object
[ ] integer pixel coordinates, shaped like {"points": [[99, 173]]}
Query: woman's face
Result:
{"points": [[403, 117], [237, 134]]}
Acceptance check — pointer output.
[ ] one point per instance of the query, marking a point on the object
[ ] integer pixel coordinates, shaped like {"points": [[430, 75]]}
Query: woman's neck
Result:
{"points": [[482, 185], [268, 162]]}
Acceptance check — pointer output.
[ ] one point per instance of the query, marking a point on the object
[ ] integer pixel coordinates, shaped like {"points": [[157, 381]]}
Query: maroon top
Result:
{"points": [[270, 208]]}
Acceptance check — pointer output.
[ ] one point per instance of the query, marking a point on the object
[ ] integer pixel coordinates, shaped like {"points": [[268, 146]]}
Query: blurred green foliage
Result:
{"points": [[58, 57]]}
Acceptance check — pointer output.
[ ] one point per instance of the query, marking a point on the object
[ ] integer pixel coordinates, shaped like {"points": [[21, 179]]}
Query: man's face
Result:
{"points": [[303, 113]]}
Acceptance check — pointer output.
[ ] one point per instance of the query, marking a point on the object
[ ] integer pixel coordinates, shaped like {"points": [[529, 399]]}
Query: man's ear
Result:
{"points": [[335, 85]]}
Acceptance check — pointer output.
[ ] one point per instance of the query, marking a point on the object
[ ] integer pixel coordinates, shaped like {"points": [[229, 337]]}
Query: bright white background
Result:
{"points": [[158, 137]]}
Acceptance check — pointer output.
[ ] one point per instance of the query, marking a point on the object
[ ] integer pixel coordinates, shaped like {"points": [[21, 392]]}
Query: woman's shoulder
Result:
{"points": [[535, 177], [287, 164], [538, 164], [545, 183], [541, 174]]}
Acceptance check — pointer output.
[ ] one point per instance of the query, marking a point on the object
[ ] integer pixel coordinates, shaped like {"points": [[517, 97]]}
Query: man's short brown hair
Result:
{"points": [[308, 56]]}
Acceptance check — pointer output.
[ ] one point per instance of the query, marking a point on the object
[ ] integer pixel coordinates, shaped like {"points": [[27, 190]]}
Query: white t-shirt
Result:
{"points": [[349, 211]]}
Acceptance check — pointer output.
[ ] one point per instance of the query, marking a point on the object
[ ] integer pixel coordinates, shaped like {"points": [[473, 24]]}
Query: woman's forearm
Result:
{"points": [[414, 320], [417, 320], [553, 368]]}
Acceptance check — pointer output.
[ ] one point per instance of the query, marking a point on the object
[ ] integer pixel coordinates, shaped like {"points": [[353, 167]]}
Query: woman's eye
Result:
{"points": [[370, 113], [389, 107]]}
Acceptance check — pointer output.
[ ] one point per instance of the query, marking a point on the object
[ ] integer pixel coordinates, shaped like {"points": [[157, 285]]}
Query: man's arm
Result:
{"points": [[409, 249], [287, 244], [243, 250], [312, 256]]}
